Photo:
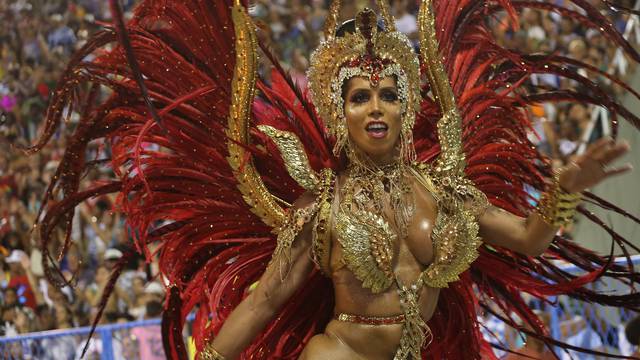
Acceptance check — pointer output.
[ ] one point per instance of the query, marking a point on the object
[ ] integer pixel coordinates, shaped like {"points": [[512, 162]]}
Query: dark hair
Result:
{"points": [[153, 309], [632, 331], [349, 27], [43, 309]]}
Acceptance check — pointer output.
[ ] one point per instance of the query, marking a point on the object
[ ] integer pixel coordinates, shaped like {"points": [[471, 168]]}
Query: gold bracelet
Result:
{"points": [[557, 207], [209, 353]]}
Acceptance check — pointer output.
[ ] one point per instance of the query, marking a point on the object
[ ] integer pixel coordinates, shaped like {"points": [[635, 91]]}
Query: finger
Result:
{"points": [[619, 170], [597, 147], [614, 153]]}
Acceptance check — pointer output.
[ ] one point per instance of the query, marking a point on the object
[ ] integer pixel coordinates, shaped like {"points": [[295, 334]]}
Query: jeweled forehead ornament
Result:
{"points": [[368, 52]]}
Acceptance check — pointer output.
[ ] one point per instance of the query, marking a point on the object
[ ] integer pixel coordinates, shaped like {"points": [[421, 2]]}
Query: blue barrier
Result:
{"points": [[68, 343]]}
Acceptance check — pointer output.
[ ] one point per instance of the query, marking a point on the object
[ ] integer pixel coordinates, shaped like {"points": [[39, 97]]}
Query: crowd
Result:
{"points": [[37, 37]]}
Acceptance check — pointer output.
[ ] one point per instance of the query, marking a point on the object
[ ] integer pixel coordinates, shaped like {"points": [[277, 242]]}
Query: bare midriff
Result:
{"points": [[349, 340]]}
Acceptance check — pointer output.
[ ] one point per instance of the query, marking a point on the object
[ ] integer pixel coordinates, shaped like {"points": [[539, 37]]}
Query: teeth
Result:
{"points": [[377, 127]]}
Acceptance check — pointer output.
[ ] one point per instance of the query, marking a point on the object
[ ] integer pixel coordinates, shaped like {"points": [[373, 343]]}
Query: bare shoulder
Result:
{"points": [[305, 200], [422, 192]]}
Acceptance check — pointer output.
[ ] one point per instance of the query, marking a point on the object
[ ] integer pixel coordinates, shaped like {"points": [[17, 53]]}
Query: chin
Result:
{"points": [[376, 150]]}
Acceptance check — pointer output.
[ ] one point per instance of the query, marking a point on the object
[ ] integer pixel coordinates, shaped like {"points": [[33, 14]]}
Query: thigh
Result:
{"points": [[328, 347]]}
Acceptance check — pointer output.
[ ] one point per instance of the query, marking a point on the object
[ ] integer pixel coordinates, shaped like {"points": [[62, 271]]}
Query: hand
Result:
{"points": [[25, 261], [590, 168]]}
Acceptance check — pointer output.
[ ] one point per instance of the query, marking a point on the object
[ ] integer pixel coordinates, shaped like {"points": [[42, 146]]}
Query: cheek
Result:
{"points": [[354, 116]]}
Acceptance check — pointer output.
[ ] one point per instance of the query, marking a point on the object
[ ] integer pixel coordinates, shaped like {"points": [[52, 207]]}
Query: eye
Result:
{"points": [[359, 97], [389, 95]]}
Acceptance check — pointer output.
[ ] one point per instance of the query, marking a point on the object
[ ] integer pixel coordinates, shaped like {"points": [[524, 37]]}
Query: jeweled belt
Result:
{"points": [[370, 320]]}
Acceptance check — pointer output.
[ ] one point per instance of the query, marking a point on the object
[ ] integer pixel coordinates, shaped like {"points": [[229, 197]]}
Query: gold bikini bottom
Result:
{"points": [[371, 320]]}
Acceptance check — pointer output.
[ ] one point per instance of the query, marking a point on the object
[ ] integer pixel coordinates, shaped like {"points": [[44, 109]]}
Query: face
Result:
{"points": [[373, 117], [10, 297], [137, 285]]}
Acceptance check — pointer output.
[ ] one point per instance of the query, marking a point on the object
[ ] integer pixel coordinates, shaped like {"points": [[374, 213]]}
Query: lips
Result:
{"points": [[377, 129]]}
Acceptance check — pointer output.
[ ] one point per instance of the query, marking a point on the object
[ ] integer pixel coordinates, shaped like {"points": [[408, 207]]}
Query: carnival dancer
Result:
{"points": [[368, 220]]}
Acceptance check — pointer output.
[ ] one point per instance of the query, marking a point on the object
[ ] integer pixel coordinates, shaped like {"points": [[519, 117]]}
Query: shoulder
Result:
{"points": [[307, 199]]}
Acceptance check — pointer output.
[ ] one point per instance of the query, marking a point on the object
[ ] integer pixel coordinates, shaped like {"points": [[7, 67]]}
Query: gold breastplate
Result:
{"points": [[367, 239]]}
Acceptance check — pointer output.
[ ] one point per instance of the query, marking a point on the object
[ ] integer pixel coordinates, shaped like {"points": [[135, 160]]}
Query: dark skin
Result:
{"points": [[341, 340]]}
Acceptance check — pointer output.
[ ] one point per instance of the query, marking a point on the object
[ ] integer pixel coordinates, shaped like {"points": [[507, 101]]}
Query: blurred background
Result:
{"points": [[37, 38]]}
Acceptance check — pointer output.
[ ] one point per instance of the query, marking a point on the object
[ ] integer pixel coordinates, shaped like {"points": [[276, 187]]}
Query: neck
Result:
{"points": [[358, 157]]}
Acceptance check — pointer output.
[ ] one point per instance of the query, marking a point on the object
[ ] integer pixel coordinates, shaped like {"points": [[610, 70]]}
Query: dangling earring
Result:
{"points": [[342, 135], [407, 149]]}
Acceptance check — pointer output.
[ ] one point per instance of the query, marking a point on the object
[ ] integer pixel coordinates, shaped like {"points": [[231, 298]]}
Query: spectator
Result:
{"points": [[19, 280], [632, 334], [149, 338], [534, 348]]}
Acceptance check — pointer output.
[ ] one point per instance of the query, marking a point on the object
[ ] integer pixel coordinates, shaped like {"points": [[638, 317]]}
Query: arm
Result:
{"points": [[528, 236], [532, 235], [274, 288]]}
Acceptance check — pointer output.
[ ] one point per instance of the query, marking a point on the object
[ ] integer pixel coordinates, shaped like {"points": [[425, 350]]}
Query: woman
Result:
{"points": [[374, 321], [393, 224]]}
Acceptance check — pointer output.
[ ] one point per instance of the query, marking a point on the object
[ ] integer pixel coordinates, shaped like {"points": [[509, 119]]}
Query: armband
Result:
{"points": [[209, 353], [557, 207]]}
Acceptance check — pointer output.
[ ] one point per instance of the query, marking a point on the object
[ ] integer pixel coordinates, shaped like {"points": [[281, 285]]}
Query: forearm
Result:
{"points": [[538, 235], [286, 273], [528, 236], [241, 327]]}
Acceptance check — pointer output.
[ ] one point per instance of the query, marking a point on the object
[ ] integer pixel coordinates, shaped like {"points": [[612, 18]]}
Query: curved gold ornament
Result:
{"points": [[452, 157], [294, 156], [331, 24], [385, 13], [321, 234], [250, 184]]}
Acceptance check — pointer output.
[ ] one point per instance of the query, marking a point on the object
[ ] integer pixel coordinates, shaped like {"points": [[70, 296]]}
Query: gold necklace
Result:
{"points": [[367, 239]]}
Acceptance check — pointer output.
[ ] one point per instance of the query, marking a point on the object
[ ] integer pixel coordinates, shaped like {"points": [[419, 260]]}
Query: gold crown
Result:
{"points": [[370, 53]]}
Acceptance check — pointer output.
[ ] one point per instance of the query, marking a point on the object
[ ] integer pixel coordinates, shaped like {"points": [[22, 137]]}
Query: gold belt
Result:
{"points": [[371, 320]]}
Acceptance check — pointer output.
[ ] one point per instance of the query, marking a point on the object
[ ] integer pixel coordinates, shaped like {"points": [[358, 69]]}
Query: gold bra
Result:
{"points": [[367, 238]]}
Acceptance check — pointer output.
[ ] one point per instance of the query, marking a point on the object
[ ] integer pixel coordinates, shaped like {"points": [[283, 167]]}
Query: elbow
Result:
{"points": [[534, 251], [265, 305], [534, 248]]}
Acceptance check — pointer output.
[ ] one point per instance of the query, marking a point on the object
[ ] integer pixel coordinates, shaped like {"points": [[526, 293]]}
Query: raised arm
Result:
{"points": [[532, 235], [285, 274]]}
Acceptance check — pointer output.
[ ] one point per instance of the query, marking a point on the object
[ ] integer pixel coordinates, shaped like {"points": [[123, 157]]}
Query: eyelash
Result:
{"points": [[388, 96], [359, 98]]}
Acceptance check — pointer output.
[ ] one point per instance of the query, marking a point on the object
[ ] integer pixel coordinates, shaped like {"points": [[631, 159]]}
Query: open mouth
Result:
{"points": [[377, 130]]}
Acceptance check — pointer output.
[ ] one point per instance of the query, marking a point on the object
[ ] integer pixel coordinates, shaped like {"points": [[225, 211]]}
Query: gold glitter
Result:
{"points": [[321, 235]]}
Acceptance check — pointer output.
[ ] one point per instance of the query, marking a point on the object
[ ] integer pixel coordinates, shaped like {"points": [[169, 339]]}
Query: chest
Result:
{"points": [[434, 246], [375, 242]]}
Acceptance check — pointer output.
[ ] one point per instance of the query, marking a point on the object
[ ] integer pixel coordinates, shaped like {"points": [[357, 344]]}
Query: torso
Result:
{"points": [[413, 254]]}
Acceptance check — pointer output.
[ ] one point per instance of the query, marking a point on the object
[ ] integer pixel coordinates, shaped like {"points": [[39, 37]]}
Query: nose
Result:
{"points": [[375, 110]]}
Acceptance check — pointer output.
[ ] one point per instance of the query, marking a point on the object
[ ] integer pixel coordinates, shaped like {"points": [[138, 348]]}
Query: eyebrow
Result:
{"points": [[394, 88]]}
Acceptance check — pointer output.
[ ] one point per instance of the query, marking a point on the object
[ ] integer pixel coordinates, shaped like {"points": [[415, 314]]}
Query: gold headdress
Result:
{"points": [[369, 53]]}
